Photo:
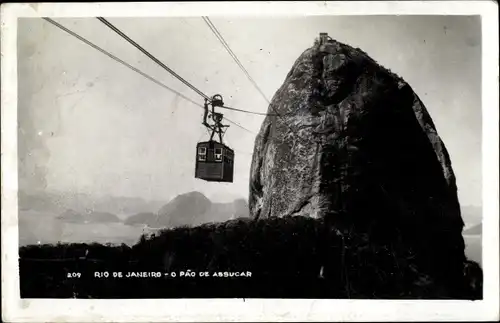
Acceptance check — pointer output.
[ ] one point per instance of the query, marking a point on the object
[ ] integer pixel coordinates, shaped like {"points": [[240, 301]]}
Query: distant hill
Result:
{"points": [[41, 202], [71, 216], [220, 212], [57, 202], [89, 217], [190, 209], [126, 205], [240, 209], [102, 217], [148, 218], [475, 230], [184, 209], [472, 214]]}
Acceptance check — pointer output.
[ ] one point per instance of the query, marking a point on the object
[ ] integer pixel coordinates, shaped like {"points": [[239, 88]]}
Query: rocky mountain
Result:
{"points": [[353, 144], [189, 209], [184, 209]]}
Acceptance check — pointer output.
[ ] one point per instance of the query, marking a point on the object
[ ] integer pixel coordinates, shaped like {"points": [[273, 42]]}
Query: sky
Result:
{"points": [[90, 125]]}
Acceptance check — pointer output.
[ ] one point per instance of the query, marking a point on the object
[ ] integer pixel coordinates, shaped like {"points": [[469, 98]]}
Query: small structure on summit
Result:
{"points": [[323, 38]]}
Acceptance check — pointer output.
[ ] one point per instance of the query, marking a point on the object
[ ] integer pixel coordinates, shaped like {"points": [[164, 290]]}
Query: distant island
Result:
{"points": [[475, 230], [192, 208], [49, 217], [88, 217]]}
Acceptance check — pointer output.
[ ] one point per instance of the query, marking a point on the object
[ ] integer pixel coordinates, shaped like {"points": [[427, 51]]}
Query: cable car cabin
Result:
{"points": [[214, 162]]}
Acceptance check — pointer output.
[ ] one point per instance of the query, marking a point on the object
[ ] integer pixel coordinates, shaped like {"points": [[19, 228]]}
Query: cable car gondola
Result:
{"points": [[214, 160]]}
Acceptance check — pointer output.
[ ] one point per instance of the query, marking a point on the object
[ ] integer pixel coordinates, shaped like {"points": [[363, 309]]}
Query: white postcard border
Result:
{"points": [[29, 310]]}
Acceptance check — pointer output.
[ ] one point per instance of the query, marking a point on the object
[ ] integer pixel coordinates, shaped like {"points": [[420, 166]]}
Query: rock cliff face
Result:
{"points": [[353, 144]]}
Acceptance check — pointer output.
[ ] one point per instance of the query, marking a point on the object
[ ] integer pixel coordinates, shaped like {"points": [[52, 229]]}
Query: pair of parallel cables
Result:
{"points": [[215, 31], [173, 73]]}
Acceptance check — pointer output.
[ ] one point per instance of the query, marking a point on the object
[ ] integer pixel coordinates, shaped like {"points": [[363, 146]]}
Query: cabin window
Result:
{"points": [[218, 154], [202, 153]]}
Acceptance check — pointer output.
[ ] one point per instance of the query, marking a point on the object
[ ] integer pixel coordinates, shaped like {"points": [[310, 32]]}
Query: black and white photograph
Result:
{"points": [[249, 157]]}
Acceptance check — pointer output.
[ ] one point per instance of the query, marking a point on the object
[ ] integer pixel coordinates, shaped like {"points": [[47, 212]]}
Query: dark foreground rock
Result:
{"points": [[354, 145], [288, 257]]}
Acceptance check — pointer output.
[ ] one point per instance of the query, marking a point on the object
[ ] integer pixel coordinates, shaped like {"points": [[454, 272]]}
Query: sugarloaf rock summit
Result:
{"points": [[351, 143]]}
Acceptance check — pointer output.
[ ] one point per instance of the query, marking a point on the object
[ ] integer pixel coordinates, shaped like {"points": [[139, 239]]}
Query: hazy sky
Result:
{"points": [[91, 125]]}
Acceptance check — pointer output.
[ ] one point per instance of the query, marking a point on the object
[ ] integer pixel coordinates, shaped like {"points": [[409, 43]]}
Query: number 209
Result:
{"points": [[74, 275]]}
